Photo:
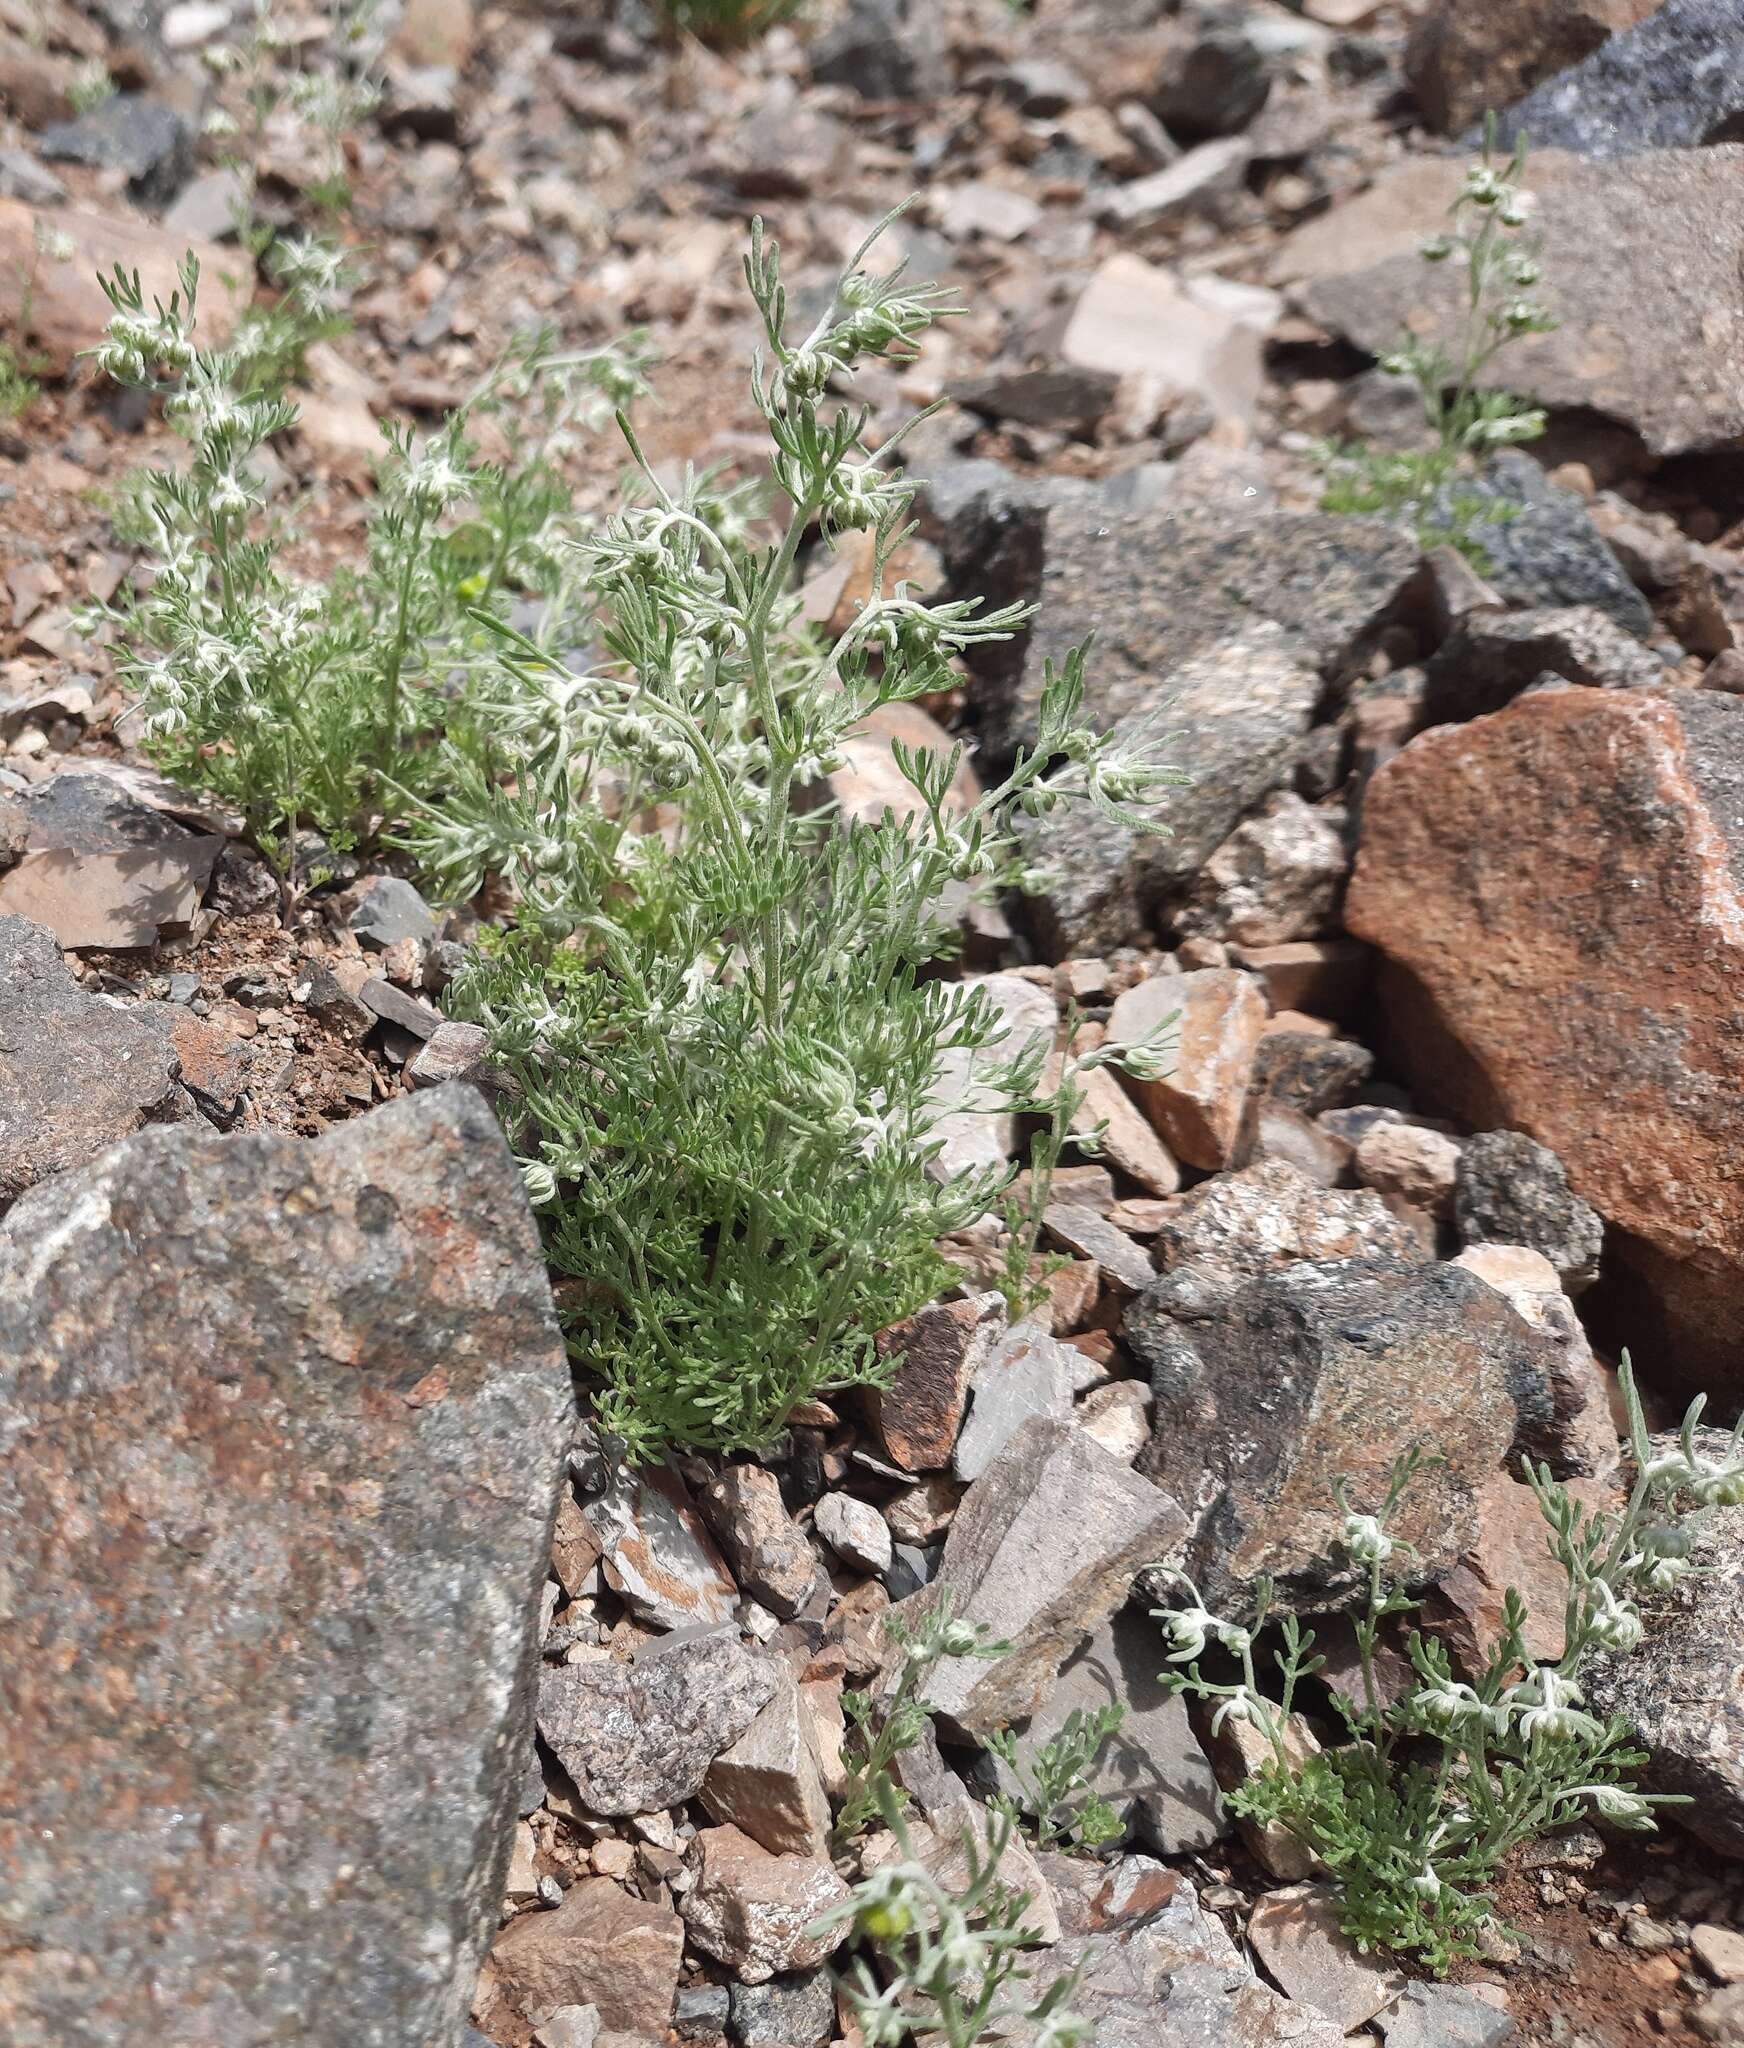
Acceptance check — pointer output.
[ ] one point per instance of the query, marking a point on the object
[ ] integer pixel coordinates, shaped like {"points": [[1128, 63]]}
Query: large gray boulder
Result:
{"points": [[283, 1428]]}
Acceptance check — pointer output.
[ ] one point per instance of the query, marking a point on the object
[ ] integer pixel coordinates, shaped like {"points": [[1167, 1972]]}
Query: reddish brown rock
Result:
{"points": [[1220, 1015], [1466, 56], [773, 1561], [602, 1948], [754, 1911], [1590, 996], [51, 258], [918, 1415], [284, 1428]]}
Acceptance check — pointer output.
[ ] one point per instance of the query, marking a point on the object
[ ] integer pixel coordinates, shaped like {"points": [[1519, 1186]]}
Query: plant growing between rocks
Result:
{"points": [[1416, 1813], [724, 1048], [1059, 1774], [1487, 240]]}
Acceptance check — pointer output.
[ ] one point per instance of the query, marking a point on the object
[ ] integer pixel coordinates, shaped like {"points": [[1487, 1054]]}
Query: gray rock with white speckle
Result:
{"points": [[1513, 1190]]}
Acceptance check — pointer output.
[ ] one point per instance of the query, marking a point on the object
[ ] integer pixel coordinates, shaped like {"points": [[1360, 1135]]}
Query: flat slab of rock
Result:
{"points": [[601, 1948], [1323, 1371], [1158, 1970], [1652, 336], [635, 1737], [57, 305], [100, 868], [1041, 1548], [1589, 999], [77, 1071], [285, 1423], [1297, 1938], [658, 1553]]}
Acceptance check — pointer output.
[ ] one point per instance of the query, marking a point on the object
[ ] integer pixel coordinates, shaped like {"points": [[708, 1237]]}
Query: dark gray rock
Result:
{"points": [[1549, 552], [22, 177], [1513, 1190], [1679, 1690], [1320, 1371], [1490, 657], [149, 141], [636, 1737], [1310, 1073], [1068, 399], [1673, 81], [388, 910], [77, 1071], [798, 2011], [884, 50], [285, 1423], [1215, 87], [700, 2012]]}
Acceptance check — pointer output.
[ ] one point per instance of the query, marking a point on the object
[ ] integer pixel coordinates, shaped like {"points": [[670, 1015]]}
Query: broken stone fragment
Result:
{"points": [[641, 1735], [771, 1559], [941, 1348], [768, 1783], [657, 1552], [1042, 1547], [1027, 1373], [1299, 1944], [77, 1071], [1512, 1190], [854, 1530], [755, 1912], [1219, 1018], [1325, 1371], [272, 1408], [601, 1947]]}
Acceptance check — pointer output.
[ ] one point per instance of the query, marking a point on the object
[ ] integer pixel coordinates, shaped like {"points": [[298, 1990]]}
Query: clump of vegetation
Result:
{"points": [[1416, 1813], [727, 24], [319, 702], [18, 388], [724, 1044], [1490, 243], [1055, 1784]]}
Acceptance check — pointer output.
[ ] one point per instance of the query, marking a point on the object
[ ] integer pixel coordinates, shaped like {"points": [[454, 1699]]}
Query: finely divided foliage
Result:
{"points": [[1416, 1812]]}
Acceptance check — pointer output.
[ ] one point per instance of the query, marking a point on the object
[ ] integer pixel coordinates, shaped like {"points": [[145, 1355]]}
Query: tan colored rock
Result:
{"points": [[1197, 1107], [1465, 57], [1297, 1938], [869, 783], [1128, 1139], [1265, 1216], [1237, 1751], [754, 1912], [52, 256], [770, 1555], [435, 32], [1416, 1164], [768, 1783], [601, 1947], [657, 1551], [1134, 320], [1589, 996], [1653, 336]]}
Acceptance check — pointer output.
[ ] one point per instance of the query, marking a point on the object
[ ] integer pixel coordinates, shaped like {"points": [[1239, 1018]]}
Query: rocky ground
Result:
{"points": [[298, 1708]]}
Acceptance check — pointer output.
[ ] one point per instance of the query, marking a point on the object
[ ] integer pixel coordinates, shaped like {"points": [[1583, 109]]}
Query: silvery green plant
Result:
{"points": [[1489, 241], [319, 702], [713, 1004], [945, 1966], [1054, 1784], [1415, 1814]]}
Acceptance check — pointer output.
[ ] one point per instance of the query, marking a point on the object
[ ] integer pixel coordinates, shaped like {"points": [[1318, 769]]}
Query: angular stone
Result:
{"points": [[77, 1071], [453, 1052], [601, 1948], [1247, 1223], [883, 50], [1639, 340], [1197, 1105], [1465, 57], [150, 142], [657, 1552], [1118, 1417], [1027, 1373], [1679, 1690], [1194, 183], [1309, 1069], [1134, 320], [1674, 80], [941, 1845], [100, 869], [286, 1423], [1070, 400], [1616, 1047], [768, 1784], [1301, 1947], [754, 1912], [1547, 551], [1275, 879], [1158, 1970], [1318, 1372], [57, 306], [1215, 85], [1490, 657], [1418, 1165], [854, 1530], [1444, 2016], [1124, 1134], [788, 2012], [1585, 1432], [1124, 1264], [972, 1134], [1512, 1190], [1041, 1548], [918, 1415], [1151, 1770], [638, 1736], [770, 1557], [389, 909]]}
